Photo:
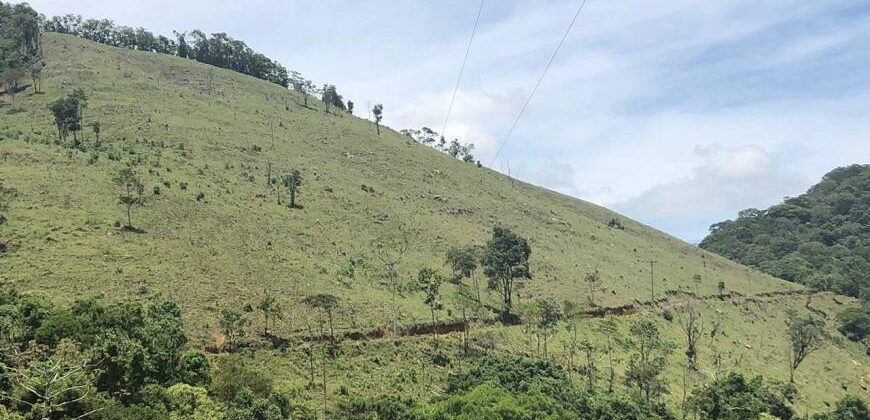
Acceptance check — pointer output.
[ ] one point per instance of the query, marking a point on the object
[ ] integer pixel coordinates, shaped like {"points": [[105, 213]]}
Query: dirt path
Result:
{"points": [[671, 299]]}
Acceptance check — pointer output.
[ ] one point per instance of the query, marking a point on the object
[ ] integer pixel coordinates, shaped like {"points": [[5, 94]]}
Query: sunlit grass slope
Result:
{"points": [[193, 129]]}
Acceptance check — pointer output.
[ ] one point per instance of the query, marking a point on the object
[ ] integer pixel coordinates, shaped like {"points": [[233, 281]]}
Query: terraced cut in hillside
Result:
{"points": [[217, 234]]}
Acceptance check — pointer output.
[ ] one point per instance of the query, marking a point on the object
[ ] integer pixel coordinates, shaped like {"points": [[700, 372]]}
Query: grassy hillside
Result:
{"points": [[366, 198]]}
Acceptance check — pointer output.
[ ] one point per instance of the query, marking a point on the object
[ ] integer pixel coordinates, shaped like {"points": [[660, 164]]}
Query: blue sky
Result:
{"points": [[676, 113]]}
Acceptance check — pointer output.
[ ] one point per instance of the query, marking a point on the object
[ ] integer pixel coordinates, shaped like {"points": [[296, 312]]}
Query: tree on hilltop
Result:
{"points": [[378, 112]]}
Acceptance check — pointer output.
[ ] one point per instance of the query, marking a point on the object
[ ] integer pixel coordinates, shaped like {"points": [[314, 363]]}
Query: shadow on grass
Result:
{"points": [[132, 229]]}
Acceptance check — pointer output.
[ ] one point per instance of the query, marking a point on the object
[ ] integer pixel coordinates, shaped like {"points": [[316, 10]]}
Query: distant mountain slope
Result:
{"points": [[820, 238]]}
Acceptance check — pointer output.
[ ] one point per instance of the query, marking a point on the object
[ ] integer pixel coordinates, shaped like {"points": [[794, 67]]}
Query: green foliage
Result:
{"points": [[194, 368], [67, 113], [736, 397], [233, 376], [851, 407], [219, 49], [233, 323], [462, 261], [806, 335], [649, 361], [490, 401], [819, 238], [19, 45], [131, 191], [855, 322], [516, 374], [505, 261], [377, 408]]}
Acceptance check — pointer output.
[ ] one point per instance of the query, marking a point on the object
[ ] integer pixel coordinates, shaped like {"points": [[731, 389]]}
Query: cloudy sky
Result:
{"points": [[677, 113]]}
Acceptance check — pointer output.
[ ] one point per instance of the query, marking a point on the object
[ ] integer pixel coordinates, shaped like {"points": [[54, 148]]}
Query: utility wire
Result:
{"points": [[541, 78], [462, 69]]}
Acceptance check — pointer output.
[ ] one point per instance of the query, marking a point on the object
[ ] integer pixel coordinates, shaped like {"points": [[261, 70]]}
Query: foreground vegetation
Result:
{"points": [[129, 360]]}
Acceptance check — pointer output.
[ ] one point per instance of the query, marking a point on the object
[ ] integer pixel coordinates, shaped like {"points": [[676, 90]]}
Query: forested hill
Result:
{"points": [[820, 238]]}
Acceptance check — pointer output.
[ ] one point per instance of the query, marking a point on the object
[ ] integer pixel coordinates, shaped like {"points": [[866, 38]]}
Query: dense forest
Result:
{"points": [[820, 238]]}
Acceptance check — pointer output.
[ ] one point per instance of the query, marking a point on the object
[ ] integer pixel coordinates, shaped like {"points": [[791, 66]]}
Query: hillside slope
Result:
{"points": [[195, 130], [185, 122]]}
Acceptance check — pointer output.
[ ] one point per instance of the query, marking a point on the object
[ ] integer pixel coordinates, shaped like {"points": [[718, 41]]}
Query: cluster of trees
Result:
{"points": [[119, 361], [217, 49], [68, 113], [513, 387], [820, 238], [20, 49], [429, 137]]}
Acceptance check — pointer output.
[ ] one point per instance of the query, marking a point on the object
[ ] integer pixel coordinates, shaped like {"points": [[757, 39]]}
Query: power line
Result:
{"points": [[541, 78], [462, 68]]}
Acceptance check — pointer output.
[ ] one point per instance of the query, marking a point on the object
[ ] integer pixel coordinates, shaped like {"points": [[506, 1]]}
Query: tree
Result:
{"points": [[67, 112], [97, 128], [462, 261], [649, 360], [850, 407], [378, 112], [854, 322], [506, 261], [34, 68], [721, 287], [233, 323], [690, 323], [593, 279], [430, 281], [806, 335], [549, 314], [736, 397], [327, 304], [271, 309], [350, 107], [131, 191], [53, 383], [292, 182]]}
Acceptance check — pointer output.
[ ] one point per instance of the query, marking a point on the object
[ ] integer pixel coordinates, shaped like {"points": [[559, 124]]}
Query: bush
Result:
{"points": [[855, 322], [194, 368]]}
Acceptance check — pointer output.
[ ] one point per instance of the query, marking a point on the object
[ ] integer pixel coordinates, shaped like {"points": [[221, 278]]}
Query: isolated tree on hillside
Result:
{"points": [[593, 279], [693, 328], [326, 303], [649, 361], [131, 191], [430, 283], [292, 182], [463, 262], [326, 95], [806, 335], [350, 107], [34, 68], [506, 261], [97, 128], [67, 114], [549, 314], [378, 112], [271, 309], [233, 323]]}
